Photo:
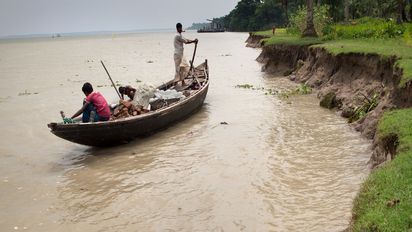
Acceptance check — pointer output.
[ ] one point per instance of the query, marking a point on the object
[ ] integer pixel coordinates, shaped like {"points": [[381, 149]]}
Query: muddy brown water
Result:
{"points": [[277, 165]]}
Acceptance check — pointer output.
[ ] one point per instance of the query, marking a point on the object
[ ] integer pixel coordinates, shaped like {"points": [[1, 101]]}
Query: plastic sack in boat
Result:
{"points": [[143, 94]]}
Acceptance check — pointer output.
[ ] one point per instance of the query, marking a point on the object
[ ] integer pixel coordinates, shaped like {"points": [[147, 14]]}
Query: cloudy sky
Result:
{"points": [[25, 17]]}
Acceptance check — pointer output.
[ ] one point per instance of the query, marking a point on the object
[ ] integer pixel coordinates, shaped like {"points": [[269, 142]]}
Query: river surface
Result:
{"points": [[277, 164]]}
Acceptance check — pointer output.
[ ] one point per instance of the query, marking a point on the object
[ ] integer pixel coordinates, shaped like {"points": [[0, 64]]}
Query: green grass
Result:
{"points": [[373, 208], [407, 36], [383, 47], [282, 37], [268, 33]]}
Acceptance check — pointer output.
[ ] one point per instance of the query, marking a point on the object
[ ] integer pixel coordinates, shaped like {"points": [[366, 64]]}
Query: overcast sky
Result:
{"points": [[23, 17]]}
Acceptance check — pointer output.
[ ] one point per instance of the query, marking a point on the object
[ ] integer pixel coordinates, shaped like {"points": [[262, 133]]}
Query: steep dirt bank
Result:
{"points": [[345, 82], [254, 41]]}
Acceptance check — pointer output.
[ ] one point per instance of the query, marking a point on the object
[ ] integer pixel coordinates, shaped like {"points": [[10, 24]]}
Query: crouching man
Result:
{"points": [[94, 107]]}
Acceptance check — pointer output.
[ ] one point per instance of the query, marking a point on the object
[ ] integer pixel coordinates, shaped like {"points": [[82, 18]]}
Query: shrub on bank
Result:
{"points": [[365, 28], [320, 19]]}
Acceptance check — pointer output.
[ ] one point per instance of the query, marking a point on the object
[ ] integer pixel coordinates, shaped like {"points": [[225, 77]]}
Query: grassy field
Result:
{"points": [[281, 37], [384, 202]]}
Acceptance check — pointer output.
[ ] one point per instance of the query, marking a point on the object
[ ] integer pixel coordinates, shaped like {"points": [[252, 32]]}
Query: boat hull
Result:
{"points": [[121, 131]]}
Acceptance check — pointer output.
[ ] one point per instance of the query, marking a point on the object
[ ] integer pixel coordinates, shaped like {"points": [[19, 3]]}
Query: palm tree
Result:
{"points": [[400, 6], [346, 10], [310, 27], [285, 8], [410, 10]]}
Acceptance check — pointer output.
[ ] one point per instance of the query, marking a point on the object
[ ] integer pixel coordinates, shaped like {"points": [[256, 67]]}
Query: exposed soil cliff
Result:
{"points": [[345, 82], [254, 41]]}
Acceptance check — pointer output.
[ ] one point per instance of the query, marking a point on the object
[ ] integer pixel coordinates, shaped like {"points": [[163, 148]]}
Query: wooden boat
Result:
{"points": [[123, 130]]}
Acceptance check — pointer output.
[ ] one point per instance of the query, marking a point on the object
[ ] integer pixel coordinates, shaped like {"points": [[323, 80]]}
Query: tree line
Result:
{"points": [[253, 15]]}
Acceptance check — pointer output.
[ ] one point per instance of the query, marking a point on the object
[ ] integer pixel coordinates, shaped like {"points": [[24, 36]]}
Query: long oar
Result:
{"points": [[193, 58], [114, 86]]}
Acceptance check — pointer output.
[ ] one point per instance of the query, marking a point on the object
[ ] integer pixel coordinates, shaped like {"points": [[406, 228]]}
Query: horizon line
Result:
{"points": [[80, 33]]}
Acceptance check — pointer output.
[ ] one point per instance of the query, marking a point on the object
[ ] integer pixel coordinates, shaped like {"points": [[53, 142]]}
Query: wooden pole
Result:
{"points": [[193, 58], [114, 86]]}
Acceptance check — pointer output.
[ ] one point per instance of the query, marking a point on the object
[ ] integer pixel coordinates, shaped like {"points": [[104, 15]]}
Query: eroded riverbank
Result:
{"points": [[345, 82]]}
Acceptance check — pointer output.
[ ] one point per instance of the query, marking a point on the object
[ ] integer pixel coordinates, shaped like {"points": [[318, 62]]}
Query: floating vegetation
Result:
{"points": [[271, 92], [138, 81], [302, 89], [267, 91], [25, 93], [244, 86], [3, 99], [368, 105]]}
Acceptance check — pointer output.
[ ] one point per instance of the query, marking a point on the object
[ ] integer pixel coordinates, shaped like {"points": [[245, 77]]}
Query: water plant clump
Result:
{"points": [[368, 105], [268, 91], [244, 86], [302, 89]]}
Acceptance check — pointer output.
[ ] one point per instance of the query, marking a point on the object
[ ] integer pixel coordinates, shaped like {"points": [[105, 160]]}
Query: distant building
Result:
{"points": [[214, 26]]}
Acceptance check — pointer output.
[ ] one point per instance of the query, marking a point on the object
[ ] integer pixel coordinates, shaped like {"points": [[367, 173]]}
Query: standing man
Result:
{"points": [[180, 61]]}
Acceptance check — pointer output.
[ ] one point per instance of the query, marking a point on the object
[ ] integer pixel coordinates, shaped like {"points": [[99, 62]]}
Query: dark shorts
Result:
{"points": [[90, 115]]}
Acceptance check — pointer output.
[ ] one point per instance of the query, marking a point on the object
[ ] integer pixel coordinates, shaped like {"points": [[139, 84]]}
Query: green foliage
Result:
{"points": [[320, 19], [269, 14], [406, 65], [368, 105], [373, 8], [407, 35], [253, 15], [384, 201], [364, 28]]}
